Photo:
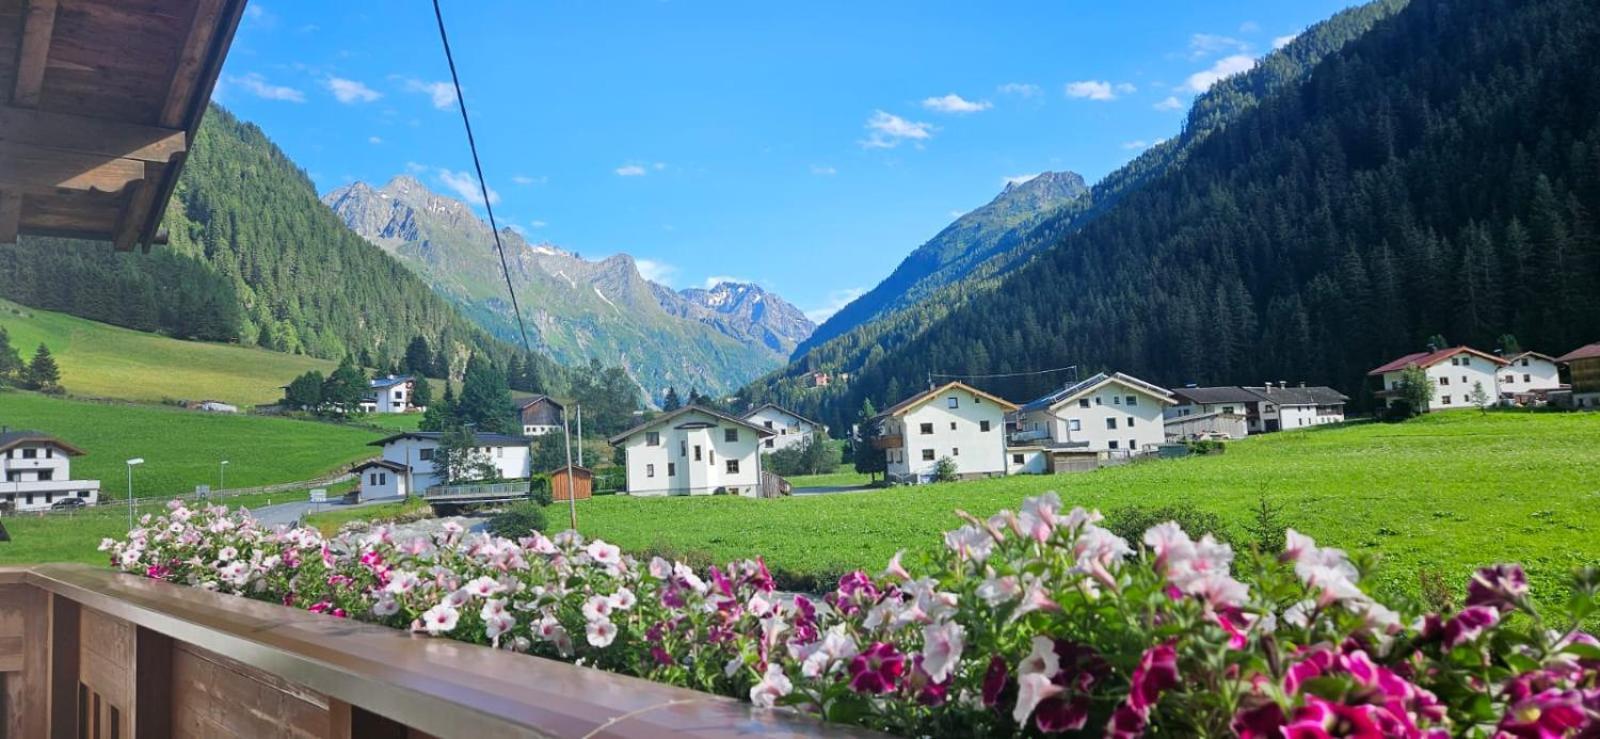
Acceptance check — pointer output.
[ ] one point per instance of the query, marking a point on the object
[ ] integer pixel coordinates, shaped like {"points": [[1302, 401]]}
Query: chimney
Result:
{"points": [[1267, 384], [1302, 383]]}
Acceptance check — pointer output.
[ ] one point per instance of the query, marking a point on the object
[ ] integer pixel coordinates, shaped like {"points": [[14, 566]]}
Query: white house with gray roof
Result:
{"points": [[693, 451], [788, 428], [1114, 414], [37, 473]]}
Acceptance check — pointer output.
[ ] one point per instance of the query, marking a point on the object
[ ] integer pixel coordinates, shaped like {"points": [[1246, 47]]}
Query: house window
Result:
{"points": [[1128, 422], [1133, 444], [733, 466], [683, 448], [372, 478], [768, 443], [1227, 409], [1444, 381], [672, 469], [927, 428], [649, 470], [1510, 378], [30, 453], [652, 438], [49, 452], [983, 425], [955, 451], [1016, 459], [1083, 403], [1074, 424], [383, 478], [696, 452], [1112, 443], [768, 424], [47, 475], [1133, 400], [425, 454], [927, 455], [1097, 400], [730, 434], [1463, 379], [1527, 378], [953, 402], [1116, 400], [1524, 361], [952, 425], [1111, 423], [1445, 400]]}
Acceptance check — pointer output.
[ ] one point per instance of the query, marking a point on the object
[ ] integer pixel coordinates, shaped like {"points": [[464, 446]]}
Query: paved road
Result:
{"points": [[287, 513]]}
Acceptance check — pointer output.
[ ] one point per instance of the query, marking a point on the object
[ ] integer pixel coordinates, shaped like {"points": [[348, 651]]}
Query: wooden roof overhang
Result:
{"points": [[99, 100]]}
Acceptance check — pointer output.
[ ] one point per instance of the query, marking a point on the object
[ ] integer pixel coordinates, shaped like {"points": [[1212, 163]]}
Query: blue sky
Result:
{"points": [[805, 146]]}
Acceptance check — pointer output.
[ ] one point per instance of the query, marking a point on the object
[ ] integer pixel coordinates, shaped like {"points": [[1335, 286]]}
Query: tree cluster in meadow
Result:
{"points": [[1437, 174], [40, 373]]}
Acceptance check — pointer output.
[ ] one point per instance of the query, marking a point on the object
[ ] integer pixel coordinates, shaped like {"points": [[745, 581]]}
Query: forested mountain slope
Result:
{"points": [[1437, 175], [256, 258], [952, 253], [864, 344]]}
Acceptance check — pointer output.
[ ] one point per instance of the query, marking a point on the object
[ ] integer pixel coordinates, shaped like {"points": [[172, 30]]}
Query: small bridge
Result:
{"points": [[450, 500]]}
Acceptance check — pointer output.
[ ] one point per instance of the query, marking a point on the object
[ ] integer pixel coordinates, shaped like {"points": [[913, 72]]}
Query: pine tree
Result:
{"points": [[671, 402], [867, 459], [10, 361], [305, 392], [42, 373], [343, 390], [419, 359], [422, 392], [485, 398]]}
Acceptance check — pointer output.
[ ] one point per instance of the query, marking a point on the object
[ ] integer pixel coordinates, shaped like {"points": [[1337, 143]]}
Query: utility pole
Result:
{"points": [[580, 435], [222, 476], [572, 502], [131, 464]]}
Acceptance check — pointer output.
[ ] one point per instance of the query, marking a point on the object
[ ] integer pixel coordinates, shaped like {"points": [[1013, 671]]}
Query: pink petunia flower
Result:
{"points": [[877, 670]]}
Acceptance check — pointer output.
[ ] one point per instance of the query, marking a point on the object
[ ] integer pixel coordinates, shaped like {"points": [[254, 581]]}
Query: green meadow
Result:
{"points": [[1443, 493], [184, 448]]}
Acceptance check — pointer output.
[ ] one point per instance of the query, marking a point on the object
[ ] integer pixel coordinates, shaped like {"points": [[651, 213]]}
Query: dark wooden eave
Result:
{"points": [[99, 100]]}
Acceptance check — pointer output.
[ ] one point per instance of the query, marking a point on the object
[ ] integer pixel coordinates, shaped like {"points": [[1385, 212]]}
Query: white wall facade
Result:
{"points": [[693, 453], [511, 462], [1108, 420], [1230, 425], [394, 398], [529, 429], [1453, 380], [1027, 460], [1199, 409], [34, 476], [956, 423], [1526, 374], [378, 482], [787, 429]]}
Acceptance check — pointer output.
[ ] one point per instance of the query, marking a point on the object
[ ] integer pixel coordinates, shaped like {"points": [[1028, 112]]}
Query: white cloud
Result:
{"points": [[1020, 89], [1205, 45], [258, 16], [714, 280], [525, 180], [823, 170], [656, 271], [1169, 104], [538, 224], [258, 86], [1224, 68], [416, 167], [836, 300], [351, 91], [957, 213], [374, 140], [465, 186], [886, 131], [443, 94], [1283, 41], [1018, 179], [631, 170], [658, 166], [954, 103], [1249, 27], [1098, 89], [1136, 144]]}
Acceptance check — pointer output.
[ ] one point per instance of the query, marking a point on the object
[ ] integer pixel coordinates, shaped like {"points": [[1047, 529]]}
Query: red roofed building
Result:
{"points": [[1584, 364], [1456, 373]]}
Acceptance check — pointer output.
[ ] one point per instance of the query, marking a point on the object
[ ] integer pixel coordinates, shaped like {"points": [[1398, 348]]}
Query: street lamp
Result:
{"points": [[222, 476], [131, 464]]}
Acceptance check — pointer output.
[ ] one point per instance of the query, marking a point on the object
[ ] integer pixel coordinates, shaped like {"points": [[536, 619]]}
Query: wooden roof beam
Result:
{"points": [[10, 216], [90, 135], [31, 169], [186, 77], [38, 26]]}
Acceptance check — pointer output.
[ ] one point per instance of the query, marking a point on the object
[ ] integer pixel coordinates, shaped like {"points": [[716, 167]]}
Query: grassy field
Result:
{"points": [[75, 537], [103, 361], [389, 422], [328, 522], [1446, 492], [844, 477], [184, 448]]}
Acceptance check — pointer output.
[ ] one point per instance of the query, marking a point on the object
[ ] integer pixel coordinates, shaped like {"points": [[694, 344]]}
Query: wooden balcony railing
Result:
{"points": [[87, 652]]}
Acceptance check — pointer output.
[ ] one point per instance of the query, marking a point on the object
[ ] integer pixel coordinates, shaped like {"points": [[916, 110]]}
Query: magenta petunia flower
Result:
{"points": [[1501, 586], [1548, 715], [877, 670], [1468, 625], [1157, 672], [994, 681], [1321, 719], [1265, 721]]}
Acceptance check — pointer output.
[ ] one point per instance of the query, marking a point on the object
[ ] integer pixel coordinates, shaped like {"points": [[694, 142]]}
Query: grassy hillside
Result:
{"points": [[184, 448], [104, 361], [1444, 492]]}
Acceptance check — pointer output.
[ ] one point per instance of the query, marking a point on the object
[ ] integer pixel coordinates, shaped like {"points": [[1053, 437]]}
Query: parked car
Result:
{"points": [[67, 504]]}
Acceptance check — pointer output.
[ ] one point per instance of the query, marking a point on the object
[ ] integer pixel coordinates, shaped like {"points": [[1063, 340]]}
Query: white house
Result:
{"points": [[693, 451], [1199, 401], [1115, 415], [1286, 408], [1456, 374], [389, 394], [788, 428], [380, 478], [1211, 425], [1583, 366], [1526, 374], [37, 472], [540, 415], [954, 420], [414, 451]]}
